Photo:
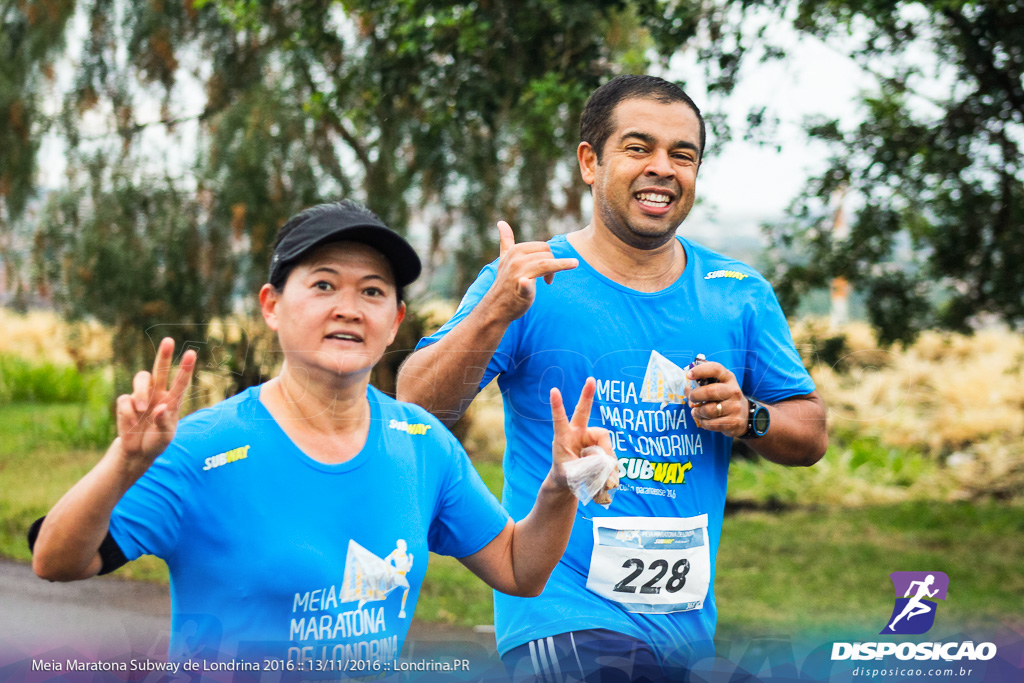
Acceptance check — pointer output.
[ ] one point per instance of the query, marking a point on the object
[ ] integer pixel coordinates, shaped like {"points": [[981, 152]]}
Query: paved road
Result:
{"points": [[102, 616], [107, 617]]}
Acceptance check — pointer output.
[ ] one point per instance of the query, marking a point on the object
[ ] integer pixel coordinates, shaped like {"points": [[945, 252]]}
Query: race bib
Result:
{"points": [[651, 564]]}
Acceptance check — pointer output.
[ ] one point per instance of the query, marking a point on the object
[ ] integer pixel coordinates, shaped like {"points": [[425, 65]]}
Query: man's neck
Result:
{"points": [[645, 270]]}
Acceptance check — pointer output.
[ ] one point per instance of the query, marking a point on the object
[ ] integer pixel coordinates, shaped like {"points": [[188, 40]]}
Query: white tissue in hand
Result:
{"points": [[587, 475]]}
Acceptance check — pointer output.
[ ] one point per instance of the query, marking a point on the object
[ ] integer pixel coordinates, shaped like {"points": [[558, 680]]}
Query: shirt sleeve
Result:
{"points": [[776, 370], [147, 519], [501, 361], [468, 516]]}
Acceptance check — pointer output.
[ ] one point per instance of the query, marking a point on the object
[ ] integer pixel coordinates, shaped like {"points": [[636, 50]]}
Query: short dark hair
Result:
{"points": [[345, 207], [596, 122]]}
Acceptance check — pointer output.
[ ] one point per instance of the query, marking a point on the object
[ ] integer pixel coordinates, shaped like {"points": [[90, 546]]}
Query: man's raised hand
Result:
{"points": [[519, 266], [148, 417]]}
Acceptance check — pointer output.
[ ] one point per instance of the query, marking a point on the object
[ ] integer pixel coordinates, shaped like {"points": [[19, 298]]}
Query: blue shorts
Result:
{"points": [[593, 656]]}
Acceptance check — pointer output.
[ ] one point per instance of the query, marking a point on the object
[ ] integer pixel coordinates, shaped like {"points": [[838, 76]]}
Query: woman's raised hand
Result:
{"points": [[572, 436], [148, 418]]}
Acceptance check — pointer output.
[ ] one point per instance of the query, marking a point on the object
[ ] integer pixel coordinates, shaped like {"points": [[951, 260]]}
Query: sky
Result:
{"points": [[745, 184]]}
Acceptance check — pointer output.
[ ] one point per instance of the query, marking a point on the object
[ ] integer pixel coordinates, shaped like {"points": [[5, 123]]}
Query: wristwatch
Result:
{"points": [[758, 420]]}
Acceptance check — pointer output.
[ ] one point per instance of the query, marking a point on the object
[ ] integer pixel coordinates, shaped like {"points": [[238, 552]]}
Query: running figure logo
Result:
{"points": [[369, 578], [914, 613], [401, 561]]}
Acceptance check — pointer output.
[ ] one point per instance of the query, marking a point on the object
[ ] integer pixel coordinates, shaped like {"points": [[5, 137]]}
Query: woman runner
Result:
{"points": [[296, 517]]}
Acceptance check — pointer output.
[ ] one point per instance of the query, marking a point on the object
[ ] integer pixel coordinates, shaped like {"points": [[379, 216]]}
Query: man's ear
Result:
{"points": [[268, 305], [588, 162]]}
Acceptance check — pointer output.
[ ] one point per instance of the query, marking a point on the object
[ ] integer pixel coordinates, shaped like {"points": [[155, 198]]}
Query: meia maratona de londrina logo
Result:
{"points": [[917, 596]]}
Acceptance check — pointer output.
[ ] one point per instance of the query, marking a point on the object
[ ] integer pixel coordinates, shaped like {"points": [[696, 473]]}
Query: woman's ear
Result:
{"points": [[269, 298], [399, 317]]}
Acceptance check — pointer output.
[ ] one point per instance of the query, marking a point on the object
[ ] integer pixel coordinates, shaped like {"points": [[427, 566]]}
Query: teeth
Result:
{"points": [[653, 198], [345, 337]]}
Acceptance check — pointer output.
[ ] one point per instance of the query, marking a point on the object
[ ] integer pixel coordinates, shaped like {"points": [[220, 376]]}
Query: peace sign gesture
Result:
{"points": [[572, 436], [148, 418]]}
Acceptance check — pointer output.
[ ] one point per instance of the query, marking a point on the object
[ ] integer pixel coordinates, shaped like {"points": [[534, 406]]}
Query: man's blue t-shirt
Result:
{"points": [[274, 554], [650, 571]]}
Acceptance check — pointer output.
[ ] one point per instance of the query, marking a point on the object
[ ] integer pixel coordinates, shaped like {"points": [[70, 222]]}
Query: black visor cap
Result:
{"points": [[343, 222]]}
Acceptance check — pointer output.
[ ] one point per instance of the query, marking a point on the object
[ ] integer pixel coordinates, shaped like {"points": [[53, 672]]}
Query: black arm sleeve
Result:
{"points": [[110, 552]]}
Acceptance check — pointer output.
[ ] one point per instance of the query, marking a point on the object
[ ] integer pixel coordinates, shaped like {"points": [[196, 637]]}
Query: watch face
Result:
{"points": [[761, 420]]}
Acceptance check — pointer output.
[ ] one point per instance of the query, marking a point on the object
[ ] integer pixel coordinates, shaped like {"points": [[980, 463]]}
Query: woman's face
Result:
{"points": [[338, 310]]}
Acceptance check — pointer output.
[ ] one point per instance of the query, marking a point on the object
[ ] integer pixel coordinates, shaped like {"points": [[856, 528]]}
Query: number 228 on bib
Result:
{"points": [[651, 564]]}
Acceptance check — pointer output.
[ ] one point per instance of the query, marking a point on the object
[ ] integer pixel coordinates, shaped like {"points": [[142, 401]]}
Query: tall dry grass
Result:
{"points": [[956, 399], [42, 336], [953, 401], [941, 419]]}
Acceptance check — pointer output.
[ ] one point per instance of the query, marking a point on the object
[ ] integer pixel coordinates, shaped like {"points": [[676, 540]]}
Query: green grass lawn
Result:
{"points": [[828, 569], [41, 456], [35, 468], [825, 571], [804, 569]]}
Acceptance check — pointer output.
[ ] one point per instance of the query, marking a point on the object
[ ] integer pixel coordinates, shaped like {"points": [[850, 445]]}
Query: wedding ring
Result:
{"points": [[718, 410]]}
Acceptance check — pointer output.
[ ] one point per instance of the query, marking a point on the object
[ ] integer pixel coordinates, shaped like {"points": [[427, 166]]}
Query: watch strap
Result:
{"points": [[755, 407]]}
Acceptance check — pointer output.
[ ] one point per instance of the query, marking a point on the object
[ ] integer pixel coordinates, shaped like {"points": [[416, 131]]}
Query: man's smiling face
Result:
{"points": [[645, 183]]}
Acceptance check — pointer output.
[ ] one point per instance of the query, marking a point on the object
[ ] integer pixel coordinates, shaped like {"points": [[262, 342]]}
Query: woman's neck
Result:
{"points": [[328, 418]]}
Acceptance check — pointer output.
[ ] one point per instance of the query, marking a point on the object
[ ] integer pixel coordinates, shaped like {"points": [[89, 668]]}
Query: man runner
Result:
{"points": [[634, 591]]}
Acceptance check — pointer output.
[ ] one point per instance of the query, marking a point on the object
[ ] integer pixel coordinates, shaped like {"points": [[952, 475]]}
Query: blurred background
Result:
{"points": [[865, 155]]}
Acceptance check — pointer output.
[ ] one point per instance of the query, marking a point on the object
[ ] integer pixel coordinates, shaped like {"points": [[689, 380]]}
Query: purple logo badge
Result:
{"points": [[916, 593]]}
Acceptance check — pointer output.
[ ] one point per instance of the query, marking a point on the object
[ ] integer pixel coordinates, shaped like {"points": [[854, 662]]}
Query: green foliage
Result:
{"points": [[139, 257], [27, 48], [84, 420], [466, 108], [89, 429], [38, 467], [22, 380], [938, 236], [856, 470], [454, 114]]}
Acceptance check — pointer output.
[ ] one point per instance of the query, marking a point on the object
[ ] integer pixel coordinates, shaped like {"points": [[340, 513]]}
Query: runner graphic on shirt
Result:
{"points": [[369, 578], [402, 563]]}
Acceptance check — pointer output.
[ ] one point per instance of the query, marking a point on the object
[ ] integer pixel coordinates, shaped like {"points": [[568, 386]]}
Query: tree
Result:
{"points": [[129, 239], [938, 236], [455, 114], [451, 114], [27, 51]]}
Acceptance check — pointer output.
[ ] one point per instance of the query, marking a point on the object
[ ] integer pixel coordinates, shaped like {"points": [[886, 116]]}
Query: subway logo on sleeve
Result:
{"points": [[409, 428], [234, 455]]}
